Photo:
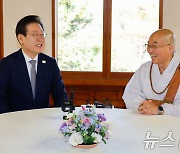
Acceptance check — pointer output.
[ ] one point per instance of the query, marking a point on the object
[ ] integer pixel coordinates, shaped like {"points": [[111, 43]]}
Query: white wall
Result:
{"points": [[14, 10], [171, 19]]}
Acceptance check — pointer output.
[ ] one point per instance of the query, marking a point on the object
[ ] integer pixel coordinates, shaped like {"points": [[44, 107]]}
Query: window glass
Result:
{"points": [[132, 23], [80, 35]]}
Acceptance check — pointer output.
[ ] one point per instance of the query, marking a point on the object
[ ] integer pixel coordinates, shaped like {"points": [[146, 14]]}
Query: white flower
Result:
{"points": [[98, 137], [69, 115], [75, 139]]}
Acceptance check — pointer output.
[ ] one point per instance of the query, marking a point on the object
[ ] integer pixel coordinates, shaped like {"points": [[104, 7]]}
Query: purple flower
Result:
{"points": [[101, 117], [62, 126]]}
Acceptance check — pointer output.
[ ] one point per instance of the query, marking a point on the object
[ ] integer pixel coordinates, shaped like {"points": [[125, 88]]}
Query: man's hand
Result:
{"points": [[148, 108]]}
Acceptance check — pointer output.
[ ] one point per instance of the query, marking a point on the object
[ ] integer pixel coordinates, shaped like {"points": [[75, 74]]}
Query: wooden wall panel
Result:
{"points": [[84, 93], [103, 94]]}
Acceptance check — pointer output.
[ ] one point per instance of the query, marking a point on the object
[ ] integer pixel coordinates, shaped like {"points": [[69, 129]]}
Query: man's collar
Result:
{"points": [[27, 58]]}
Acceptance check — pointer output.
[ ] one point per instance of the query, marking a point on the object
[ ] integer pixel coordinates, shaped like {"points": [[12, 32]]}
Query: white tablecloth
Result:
{"points": [[36, 132]]}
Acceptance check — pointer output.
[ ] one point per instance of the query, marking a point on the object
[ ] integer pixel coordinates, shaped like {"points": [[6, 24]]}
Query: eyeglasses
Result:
{"points": [[36, 35], [154, 47]]}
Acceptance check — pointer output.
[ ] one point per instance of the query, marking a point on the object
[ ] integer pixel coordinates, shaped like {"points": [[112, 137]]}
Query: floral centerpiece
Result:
{"points": [[85, 128]]}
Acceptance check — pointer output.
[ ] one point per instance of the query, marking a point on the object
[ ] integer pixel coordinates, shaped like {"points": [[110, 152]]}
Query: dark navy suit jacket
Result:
{"points": [[15, 87]]}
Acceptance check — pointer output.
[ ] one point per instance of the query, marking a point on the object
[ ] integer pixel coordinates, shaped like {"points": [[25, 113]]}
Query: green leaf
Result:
{"points": [[89, 140], [104, 140]]}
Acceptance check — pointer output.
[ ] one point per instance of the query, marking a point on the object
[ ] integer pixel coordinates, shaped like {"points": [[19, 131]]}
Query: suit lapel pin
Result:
{"points": [[43, 61]]}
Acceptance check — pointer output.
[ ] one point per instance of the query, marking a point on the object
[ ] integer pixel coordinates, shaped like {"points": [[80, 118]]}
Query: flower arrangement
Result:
{"points": [[87, 127]]}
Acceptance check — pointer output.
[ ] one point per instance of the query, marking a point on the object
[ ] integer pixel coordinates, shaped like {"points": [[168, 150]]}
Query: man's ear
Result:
{"points": [[172, 48], [20, 38]]}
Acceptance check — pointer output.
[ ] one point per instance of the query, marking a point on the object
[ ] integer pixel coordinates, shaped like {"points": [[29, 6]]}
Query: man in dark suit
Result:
{"points": [[25, 85]]}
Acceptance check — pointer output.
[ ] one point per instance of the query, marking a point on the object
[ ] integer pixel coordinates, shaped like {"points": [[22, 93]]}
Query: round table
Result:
{"points": [[37, 132]]}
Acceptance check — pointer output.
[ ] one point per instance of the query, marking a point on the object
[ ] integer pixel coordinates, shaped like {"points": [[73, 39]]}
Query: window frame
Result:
{"points": [[106, 71]]}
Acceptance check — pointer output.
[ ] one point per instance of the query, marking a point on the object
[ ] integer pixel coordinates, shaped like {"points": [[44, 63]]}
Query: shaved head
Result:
{"points": [[161, 47], [165, 35]]}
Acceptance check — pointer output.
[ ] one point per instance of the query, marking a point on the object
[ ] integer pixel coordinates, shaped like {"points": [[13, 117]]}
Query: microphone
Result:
{"points": [[68, 106]]}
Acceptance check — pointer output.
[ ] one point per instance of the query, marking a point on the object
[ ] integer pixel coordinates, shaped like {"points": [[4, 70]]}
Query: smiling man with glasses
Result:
{"points": [[28, 77], [154, 88]]}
